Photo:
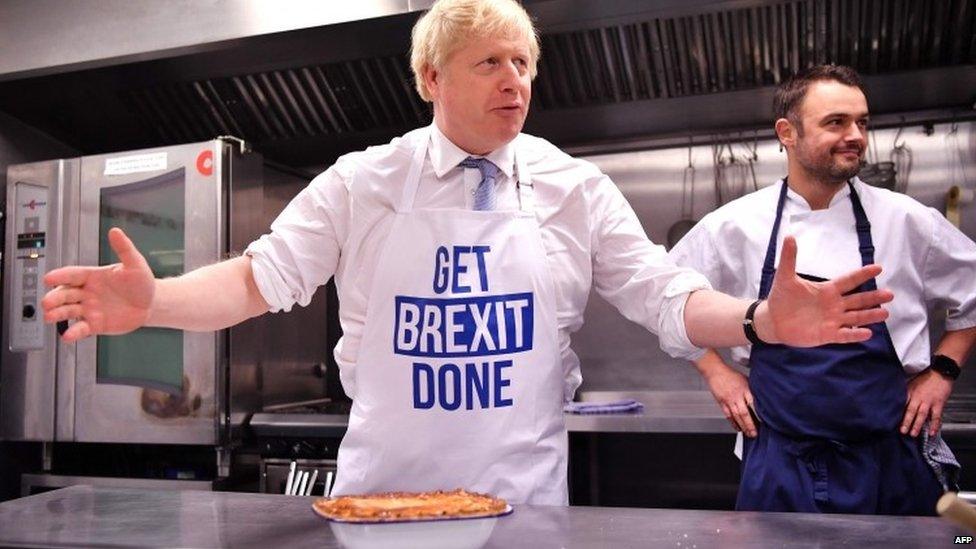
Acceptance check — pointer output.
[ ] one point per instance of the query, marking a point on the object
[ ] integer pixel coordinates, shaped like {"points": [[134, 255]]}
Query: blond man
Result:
{"points": [[463, 253]]}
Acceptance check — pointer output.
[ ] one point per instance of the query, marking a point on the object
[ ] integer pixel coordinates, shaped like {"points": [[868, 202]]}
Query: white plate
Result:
{"points": [[457, 533]]}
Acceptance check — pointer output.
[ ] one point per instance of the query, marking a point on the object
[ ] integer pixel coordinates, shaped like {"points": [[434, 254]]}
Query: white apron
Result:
{"points": [[459, 382]]}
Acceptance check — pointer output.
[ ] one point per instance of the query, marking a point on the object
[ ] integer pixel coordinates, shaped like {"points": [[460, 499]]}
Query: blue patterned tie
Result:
{"points": [[484, 195]]}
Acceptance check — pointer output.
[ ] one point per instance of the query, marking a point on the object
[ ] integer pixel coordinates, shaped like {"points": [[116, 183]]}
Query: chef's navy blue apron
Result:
{"points": [[829, 439]]}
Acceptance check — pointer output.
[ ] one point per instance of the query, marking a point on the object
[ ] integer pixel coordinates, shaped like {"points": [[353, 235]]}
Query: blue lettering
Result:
{"points": [[441, 270], [455, 386], [448, 267], [476, 383], [459, 269], [482, 270], [408, 316], [423, 370], [463, 326], [478, 386], [501, 383]]}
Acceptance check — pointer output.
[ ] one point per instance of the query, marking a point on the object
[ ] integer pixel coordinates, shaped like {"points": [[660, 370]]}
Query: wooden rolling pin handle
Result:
{"points": [[958, 511]]}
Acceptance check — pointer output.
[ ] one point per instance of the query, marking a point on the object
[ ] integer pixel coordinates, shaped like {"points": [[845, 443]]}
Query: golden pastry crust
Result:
{"points": [[395, 506]]}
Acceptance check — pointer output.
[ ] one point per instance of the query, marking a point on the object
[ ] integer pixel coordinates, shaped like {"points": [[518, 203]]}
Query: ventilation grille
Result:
{"points": [[745, 48], [657, 58], [352, 96]]}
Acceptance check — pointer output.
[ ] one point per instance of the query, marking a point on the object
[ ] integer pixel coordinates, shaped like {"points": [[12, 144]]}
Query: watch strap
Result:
{"points": [[748, 323], [945, 366]]}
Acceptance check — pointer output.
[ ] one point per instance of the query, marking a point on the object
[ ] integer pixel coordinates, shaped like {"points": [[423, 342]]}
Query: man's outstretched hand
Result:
{"points": [[807, 314], [114, 299]]}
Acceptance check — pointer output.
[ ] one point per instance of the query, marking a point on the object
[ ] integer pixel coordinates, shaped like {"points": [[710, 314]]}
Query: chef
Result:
{"points": [[851, 428], [463, 254]]}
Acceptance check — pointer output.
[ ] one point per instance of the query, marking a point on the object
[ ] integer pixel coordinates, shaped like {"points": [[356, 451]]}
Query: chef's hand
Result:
{"points": [[113, 299], [927, 395], [731, 391], [802, 313]]}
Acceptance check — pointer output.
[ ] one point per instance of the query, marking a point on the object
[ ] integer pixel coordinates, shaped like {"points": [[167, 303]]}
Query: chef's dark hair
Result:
{"points": [[789, 95]]}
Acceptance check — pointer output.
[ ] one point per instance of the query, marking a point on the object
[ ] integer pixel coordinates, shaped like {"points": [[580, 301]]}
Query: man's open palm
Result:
{"points": [[114, 299], [808, 314]]}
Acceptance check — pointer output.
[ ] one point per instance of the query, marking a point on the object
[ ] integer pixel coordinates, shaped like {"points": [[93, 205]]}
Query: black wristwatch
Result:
{"points": [[945, 366], [748, 324]]}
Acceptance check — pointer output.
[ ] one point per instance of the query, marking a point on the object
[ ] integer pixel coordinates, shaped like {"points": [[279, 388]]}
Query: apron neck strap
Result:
{"points": [[524, 187], [769, 264], [864, 240], [413, 174]]}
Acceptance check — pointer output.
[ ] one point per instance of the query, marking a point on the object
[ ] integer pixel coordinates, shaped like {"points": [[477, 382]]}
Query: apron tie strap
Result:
{"points": [[815, 456]]}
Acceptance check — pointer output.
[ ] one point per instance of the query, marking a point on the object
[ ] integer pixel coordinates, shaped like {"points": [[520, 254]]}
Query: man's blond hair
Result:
{"points": [[443, 30]]}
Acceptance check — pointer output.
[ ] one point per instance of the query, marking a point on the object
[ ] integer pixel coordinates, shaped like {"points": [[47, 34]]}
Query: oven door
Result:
{"points": [[153, 385]]}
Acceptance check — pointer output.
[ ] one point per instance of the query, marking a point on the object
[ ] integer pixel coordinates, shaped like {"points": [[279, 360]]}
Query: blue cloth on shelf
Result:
{"points": [[615, 407]]}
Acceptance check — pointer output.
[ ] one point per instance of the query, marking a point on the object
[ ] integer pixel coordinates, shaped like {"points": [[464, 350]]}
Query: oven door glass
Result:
{"points": [[151, 212]]}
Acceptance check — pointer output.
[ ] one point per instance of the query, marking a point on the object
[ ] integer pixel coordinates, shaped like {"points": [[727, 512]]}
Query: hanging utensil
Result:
{"points": [[959, 193], [877, 174], [719, 173], [722, 169], [956, 153], [680, 228], [753, 158], [736, 179], [901, 159], [738, 173]]}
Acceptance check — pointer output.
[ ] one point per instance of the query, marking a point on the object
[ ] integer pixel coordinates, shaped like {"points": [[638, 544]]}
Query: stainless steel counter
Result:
{"points": [[84, 516], [664, 412]]}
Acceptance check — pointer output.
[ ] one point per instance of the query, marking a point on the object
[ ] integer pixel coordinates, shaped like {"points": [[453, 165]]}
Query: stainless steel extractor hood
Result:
{"points": [[609, 70]]}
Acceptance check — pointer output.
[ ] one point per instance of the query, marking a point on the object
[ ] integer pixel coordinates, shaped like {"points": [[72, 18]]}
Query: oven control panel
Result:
{"points": [[29, 265]]}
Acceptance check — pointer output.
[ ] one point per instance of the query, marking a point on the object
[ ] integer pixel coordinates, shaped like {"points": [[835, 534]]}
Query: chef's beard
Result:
{"points": [[826, 170]]}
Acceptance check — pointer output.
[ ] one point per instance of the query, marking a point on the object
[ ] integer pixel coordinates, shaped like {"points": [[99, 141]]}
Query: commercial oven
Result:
{"points": [[153, 385]]}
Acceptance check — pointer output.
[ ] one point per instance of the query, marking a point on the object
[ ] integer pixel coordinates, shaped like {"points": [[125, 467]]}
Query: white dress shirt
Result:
{"points": [[927, 262], [337, 225]]}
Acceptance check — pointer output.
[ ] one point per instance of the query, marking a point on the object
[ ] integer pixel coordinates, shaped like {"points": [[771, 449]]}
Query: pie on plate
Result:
{"points": [[410, 506]]}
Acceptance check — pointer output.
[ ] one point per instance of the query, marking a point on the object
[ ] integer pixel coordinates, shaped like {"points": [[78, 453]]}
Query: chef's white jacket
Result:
{"points": [[337, 225], [928, 263]]}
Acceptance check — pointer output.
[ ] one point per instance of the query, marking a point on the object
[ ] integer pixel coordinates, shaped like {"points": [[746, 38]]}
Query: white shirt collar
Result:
{"points": [[838, 197], [445, 155]]}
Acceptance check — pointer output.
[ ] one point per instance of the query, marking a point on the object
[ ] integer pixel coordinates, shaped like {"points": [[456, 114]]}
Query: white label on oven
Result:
{"points": [[135, 163]]}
